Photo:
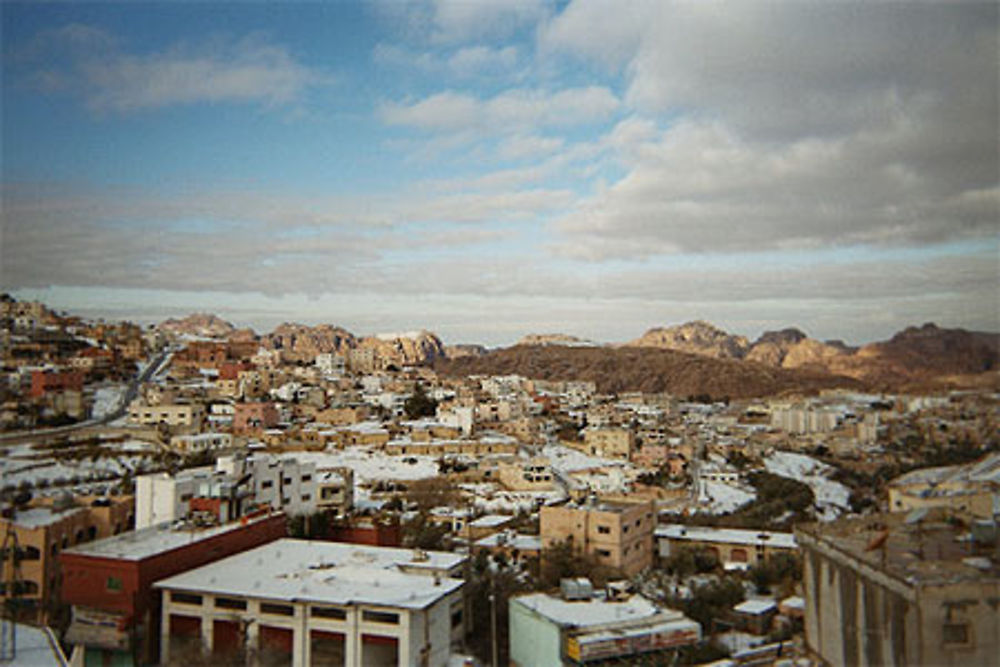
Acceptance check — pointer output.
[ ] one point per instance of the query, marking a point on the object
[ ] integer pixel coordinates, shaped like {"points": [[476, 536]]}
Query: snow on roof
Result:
{"points": [[326, 572], [138, 545], [37, 517], [755, 607], [585, 613], [491, 520], [512, 540], [676, 531], [794, 602]]}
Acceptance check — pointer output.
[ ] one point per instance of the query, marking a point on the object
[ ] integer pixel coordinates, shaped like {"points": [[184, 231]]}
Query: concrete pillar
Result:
{"points": [[165, 635], [207, 631], [300, 637], [352, 637]]}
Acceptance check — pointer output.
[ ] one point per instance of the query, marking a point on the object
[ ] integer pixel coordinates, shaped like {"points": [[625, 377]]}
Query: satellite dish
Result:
{"points": [[916, 516]]}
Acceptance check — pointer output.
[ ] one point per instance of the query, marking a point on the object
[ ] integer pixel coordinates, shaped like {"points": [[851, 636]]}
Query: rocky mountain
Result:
{"points": [[464, 350], [406, 349], [645, 369], [204, 325], [304, 342], [697, 337], [554, 339]]}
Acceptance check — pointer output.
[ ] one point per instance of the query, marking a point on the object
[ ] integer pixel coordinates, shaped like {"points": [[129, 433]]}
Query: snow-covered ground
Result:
{"points": [[19, 465], [720, 498], [371, 465], [492, 499], [831, 497], [107, 399], [567, 459]]}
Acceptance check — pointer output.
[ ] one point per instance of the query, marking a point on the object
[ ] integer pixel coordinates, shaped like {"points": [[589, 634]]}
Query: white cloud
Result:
{"points": [[472, 60], [512, 110], [250, 70], [523, 146]]}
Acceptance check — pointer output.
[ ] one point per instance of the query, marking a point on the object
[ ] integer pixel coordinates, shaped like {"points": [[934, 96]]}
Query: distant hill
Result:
{"points": [[697, 337], [204, 325], [555, 339], [645, 369]]}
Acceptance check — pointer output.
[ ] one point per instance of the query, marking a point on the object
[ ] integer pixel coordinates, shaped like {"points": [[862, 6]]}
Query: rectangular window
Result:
{"points": [[603, 530], [230, 603], [185, 598], [306, 478], [114, 584], [276, 609], [604, 553], [306, 497], [329, 612], [955, 633], [456, 618], [266, 485], [380, 617]]}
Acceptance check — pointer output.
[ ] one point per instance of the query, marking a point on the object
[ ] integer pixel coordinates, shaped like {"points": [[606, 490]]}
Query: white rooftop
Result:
{"points": [[676, 531], [755, 606], [36, 647], [584, 613], [326, 573], [512, 540], [148, 542], [491, 521]]}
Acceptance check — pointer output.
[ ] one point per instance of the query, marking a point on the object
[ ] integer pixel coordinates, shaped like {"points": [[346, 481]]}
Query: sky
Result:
{"points": [[492, 168]]}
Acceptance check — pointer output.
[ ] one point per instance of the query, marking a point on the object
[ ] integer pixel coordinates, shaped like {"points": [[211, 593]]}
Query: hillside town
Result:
{"points": [[189, 493]]}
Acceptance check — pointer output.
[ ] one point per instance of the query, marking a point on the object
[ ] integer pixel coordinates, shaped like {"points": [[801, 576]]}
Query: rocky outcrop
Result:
{"points": [[464, 350], [697, 337], [202, 325], [554, 339], [303, 342], [406, 349]]}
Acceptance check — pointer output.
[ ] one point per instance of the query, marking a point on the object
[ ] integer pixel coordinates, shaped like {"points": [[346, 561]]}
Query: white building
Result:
{"points": [[201, 442], [237, 482], [331, 364], [547, 630], [316, 603]]}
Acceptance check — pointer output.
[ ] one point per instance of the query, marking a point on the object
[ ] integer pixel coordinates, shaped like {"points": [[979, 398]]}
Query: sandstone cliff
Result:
{"points": [[204, 325], [696, 338]]}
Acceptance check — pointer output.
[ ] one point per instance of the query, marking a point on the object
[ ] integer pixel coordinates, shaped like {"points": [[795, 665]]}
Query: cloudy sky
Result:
{"points": [[490, 168]]}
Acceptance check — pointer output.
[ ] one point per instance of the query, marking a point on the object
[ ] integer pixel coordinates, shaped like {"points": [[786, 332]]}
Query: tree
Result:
{"points": [[419, 404]]}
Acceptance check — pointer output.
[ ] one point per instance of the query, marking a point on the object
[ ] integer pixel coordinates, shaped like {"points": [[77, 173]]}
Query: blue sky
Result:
{"points": [[489, 169]]}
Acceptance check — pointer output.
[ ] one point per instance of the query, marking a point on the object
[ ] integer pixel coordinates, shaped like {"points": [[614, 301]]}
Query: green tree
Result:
{"points": [[419, 404]]}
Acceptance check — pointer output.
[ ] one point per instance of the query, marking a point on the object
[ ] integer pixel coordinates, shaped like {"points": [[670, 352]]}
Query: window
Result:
{"points": [[276, 609], [185, 497], [380, 617], [955, 633], [288, 480], [604, 553], [230, 603], [306, 478], [185, 598], [456, 618], [266, 485], [329, 612], [306, 497], [114, 584], [603, 530]]}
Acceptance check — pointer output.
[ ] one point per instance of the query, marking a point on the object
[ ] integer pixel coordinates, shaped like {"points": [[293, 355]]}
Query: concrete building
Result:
{"points": [[534, 474], [169, 414], [235, 484], [728, 545], [610, 443], [44, 530], [618, 535], [547, 630], [116, 612], [319, 603], [973, 487], [919, 589], [250, 416], [201, 442], [335, 489]]}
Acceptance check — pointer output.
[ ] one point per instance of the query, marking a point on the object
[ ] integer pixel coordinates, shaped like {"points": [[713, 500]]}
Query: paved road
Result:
{"points": [[130, 393]]}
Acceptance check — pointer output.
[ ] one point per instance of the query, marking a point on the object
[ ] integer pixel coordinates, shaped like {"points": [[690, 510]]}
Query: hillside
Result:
{"points": [[645, 369]]}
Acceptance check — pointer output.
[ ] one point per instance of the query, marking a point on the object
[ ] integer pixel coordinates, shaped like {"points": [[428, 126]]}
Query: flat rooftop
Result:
{"points": [[937, 549], [148, 542], [39, 517], [593, 612], [326, 573], [677, 531]]}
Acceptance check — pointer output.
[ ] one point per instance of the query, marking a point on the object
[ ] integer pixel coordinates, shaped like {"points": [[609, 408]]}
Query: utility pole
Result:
{"points": [[493, 620]]}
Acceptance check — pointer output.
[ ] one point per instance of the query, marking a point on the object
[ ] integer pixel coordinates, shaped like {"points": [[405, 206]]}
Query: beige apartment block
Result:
{"points": [[618, 535], [534, 474], [170, 414], [611, 443]]}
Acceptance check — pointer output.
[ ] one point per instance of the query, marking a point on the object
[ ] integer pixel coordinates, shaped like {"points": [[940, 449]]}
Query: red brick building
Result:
{"points": [[249, 416], [43, 382], [109, 583]]}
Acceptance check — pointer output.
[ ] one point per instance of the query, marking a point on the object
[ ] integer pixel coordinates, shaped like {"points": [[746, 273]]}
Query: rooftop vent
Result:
{"points": [[576, 589]]}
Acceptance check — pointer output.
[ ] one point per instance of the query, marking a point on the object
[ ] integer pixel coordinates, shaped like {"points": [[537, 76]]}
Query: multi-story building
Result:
{"points": [[201, 442], [918, 589], [335, 489], [249, 416], [109, 583], [44, 530], [313, 603], [618, 535], [534, 474], [612, 443], [235, 485], [169, 414], [43, 382], [581, 628]]}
